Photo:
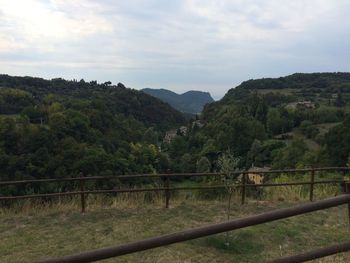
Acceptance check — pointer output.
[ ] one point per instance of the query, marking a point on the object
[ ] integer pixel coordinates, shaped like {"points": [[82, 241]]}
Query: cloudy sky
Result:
{"points": [[209, 45]]}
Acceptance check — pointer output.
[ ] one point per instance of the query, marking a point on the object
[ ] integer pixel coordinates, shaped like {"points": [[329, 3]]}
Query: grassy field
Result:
{"points": [[32, 232]]}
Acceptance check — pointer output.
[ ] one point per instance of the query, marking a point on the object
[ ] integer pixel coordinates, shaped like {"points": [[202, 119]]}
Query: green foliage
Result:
{"points": [[232, 130], [187, 163], [228, 164], [68, 128], [337, 145], [150, 136], [278, 121], [178, 147], [203, 165], [292, 192], [81, 94], [291, 156], [13, 101], [251, 115], [61, 128], [307, 128], [261, 153]]}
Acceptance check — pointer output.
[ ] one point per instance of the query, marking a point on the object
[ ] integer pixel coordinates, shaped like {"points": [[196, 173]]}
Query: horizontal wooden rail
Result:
{"points": [[110, 191], [314, 254], [116, 177], [194, 233]]}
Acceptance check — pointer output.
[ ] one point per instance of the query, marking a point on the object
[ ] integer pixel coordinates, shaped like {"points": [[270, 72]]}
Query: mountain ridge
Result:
{"points": [[118, 98], [191, 101]]}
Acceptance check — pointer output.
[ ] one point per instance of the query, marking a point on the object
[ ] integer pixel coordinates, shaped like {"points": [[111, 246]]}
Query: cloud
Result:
{"points": [[42, 24], [214, 44]]}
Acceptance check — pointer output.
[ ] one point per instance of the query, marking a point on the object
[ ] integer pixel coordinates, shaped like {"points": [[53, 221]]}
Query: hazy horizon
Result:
{"points": [[184, 45]]}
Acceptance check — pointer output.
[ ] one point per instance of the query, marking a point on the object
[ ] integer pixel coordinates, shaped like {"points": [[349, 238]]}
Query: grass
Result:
{"points": [[302, 192], [33, 231]]}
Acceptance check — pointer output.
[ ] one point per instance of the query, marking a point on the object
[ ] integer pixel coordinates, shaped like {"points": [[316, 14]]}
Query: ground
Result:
{"points": [[29, 234]]}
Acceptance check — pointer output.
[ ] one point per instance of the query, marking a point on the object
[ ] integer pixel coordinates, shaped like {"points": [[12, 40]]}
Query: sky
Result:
{"points": [[208, 45]]}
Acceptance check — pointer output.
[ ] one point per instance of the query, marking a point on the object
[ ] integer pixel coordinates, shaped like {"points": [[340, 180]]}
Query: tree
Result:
{"points": [[228, 165], [339, 102], [290, 156], [186, 163], [254, 151], [307, 128], [274, 122], [150, 136], [203, 165], [337, 145], [177, 147]]}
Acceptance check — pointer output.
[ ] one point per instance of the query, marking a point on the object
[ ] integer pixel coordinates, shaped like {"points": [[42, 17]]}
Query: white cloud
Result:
{"points": [[41, 24], [185, 43], [244, 20]]}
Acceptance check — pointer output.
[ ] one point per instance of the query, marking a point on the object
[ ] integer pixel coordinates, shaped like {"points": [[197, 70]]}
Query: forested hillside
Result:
{"points": [[116, 99], [58, 128], [295, 121]]}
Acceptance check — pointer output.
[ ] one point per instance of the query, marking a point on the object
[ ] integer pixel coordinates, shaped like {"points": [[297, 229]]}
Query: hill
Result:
{"points": [[51, 128], [117, 98], [314, 86], [188, 102], [54, 128], [294, 121]]}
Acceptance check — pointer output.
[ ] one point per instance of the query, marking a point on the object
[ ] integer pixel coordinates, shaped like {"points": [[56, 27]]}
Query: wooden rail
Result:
{"points": [[116, 177], [166, 184]]}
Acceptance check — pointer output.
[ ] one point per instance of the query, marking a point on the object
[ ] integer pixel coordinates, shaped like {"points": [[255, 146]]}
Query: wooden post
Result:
{"points": [[82, 196], [167, 191], [244, 182], [347, 187], [312, 182]]}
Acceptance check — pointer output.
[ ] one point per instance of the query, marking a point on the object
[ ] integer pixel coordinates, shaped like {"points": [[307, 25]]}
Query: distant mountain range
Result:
{"points": [[189, 102]]}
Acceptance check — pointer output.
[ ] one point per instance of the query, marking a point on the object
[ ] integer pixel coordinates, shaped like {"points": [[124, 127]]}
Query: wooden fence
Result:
{"points": [[243, 185], [116, 251]]}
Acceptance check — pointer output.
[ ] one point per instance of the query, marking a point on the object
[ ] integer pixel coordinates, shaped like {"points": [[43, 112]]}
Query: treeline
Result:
{"points": [[60, 128], [261, 129], [330, 82], [116, 99]]}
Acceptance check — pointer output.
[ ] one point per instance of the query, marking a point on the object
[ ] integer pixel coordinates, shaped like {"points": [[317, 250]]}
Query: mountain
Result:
{"points": [[188, 102]]}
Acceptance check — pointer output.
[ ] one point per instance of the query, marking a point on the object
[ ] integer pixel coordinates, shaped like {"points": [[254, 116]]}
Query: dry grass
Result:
{"points": [[31, 231], [300, 192]]}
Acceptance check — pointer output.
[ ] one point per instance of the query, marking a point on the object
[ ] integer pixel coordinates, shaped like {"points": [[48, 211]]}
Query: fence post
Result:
{"points": [[347, 187], [244, 182], [167, 191], [312, 182], [82, 196]]}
